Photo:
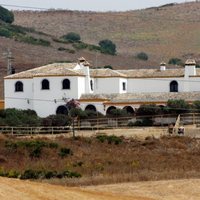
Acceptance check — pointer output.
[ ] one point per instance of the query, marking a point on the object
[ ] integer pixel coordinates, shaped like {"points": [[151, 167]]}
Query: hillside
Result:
{"points": [[162, 32]]}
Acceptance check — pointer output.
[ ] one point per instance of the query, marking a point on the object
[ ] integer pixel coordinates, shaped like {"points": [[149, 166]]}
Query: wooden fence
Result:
{"points": [[103, 123]]}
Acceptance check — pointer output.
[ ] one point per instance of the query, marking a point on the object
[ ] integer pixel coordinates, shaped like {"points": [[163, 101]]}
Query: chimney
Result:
{"points": [[162, 66], [190, 68]]}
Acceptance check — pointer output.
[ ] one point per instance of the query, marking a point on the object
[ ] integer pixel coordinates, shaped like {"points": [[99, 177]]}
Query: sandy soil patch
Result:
{"points": [[26, 190], [158, 190]]}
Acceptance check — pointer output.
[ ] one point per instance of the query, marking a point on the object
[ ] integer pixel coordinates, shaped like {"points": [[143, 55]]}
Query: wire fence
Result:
{"points": [[106, 123]]}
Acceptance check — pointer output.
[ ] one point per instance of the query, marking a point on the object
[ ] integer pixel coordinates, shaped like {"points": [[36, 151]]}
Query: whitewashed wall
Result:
{"points": [[108, 85], [47, 101], [19, 100], [153, 85]]}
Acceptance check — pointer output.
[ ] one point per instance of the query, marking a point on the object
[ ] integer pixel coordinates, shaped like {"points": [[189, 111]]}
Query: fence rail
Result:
{"points": [[103, 123]]}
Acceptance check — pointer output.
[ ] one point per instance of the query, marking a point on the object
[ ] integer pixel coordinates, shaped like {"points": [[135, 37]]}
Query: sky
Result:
{"points": [[88, 5]]}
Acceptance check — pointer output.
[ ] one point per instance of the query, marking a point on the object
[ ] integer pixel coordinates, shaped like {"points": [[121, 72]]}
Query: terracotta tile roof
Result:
{"points": [[144, 97], [106, 73], [56, 69]]}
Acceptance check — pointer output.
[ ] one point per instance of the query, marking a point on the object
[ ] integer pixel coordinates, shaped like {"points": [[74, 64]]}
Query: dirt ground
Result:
{"points": [[139, 132], [25, 190], [158, 190]]}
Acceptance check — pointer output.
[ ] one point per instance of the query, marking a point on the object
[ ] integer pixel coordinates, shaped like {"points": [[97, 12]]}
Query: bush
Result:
{"points": [[77, 112], [142, 56], [34, 41], [66, 50], [118, 112], [110, 139], [108, 67], [56, 120], [30, 174], [175, 61], [14, 117], [65, 152], [107, 47], [177, 106], [72, 37], [150, 109], [196, 106], [6, 15], [80, 45], [5, 32]]}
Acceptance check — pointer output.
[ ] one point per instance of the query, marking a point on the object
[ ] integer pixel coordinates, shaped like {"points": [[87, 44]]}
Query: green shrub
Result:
{"points": [[92, 47], [107, 47], [13, 174], [66, 50], [6, 15], [80, 45], [175, 61], [142, 56], [36, 152], [65, 152], [150, 109], [77, 112], [118, 113], [14, 117], [196, 106], [111, 139], [108, 67], [72, 37], [56, 120], [5, 32], [34, 41], [30, 174], [177, 106]]}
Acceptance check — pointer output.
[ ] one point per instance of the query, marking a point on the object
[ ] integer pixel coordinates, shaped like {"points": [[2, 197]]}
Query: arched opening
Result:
{"points": [[91, 108], [62, 110], [45, 84], [174, 86], [129, 110], [109, 110], [19, 86], [66, 84]]}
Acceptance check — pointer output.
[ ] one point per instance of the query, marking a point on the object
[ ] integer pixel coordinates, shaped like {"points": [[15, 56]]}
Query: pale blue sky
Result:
{"points": [[93, 5]]}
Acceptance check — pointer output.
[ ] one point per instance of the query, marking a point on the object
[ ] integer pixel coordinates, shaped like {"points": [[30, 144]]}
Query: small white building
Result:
{"points": [[46, 89]]}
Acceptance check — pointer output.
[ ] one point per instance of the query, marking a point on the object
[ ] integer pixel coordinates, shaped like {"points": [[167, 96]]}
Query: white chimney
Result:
{"points": [[190, 68], [162, 66]]}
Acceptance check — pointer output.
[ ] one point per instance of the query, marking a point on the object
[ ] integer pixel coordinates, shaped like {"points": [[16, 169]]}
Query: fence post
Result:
{"points": [[193, 119], [52, 130]]}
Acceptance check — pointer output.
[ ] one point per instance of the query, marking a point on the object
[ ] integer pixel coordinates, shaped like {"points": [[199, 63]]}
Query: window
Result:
{"points": [[45, 84], [91, 85], [66, 84], [174, 86], [19, 86], [123, 86]]}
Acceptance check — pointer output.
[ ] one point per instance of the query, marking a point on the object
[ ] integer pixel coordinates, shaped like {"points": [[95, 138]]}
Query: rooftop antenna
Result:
{"points": [[10, 58]]}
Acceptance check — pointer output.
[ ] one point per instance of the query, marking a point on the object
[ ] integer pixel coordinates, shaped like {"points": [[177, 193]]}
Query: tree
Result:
{"points": [[108, 47], [72, 37], [6, 15], [142, 56], [175, 61]]}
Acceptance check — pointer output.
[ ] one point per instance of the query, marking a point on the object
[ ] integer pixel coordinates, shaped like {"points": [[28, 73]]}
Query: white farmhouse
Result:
{"points": [[46, 89]]}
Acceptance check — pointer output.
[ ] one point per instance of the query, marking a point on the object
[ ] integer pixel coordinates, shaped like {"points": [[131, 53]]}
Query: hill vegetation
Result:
{"points": [[71, 161]]}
